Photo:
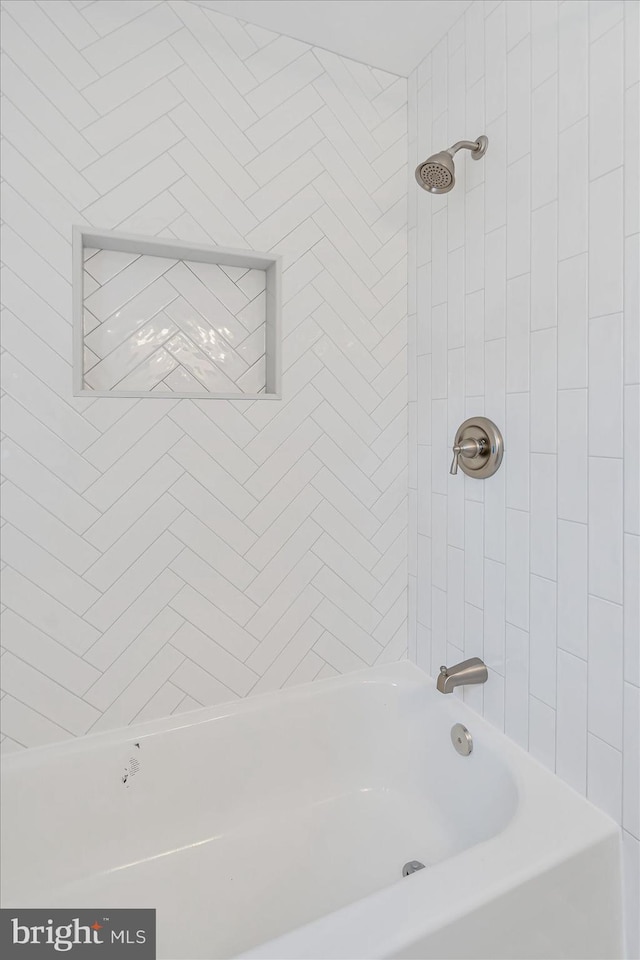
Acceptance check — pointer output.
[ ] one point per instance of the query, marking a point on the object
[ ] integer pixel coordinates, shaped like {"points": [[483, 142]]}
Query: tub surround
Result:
{"points": [[524, 308], [164, 554]]}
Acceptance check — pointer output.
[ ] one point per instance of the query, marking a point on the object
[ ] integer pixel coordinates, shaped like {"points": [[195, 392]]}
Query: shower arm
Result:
{"points": [[475, 146]]}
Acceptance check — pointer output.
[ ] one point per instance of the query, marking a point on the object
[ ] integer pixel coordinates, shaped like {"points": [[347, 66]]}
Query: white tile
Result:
{"points": [[631, 762], [27, 389], [604, 777], [518, 101], [495, 62], [573, 69], [631, 609], [201, 649], [632, 311], [456, 84], [571, 736], [455, 298], [605, 528], [473, 636], [632, 159], [47, 613], [474, 239], [494, 615], [278, 638], [517, 568], [493, 698], [105, 264], [72, 23], [46, 571], [518, 322], [516, 698], [542, 631], [438, 630], [125, 360], [544, 267], [518, 19], [439, 261], [474, 553], [543, 514], [631, 867], [517, 442], [52, 452], [27, 727], [46, 696], [632, 459], [423, 493], [138, 538], [542, 732], [424, 581], [543, 391], [54, 64], [455, 597], [605, 671], [423, 649], [603, 15], [439, 541], [544, 141], [341, 561], [46, 655], [494, 517], [544, 40], [133, 659], [474, 346], [606, 104], [494, 375], [131, 585], [573, 192], [128, 283], [572, 588], [518, 217], [605, 386], [474, 28], [118, 125], [572, 323], [606, 247], [40, 525], [495, 187], [439, 352], [495, 292]]}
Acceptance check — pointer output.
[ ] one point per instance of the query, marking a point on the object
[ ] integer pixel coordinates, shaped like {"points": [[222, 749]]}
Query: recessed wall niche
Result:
{"points": [[163, 318]]}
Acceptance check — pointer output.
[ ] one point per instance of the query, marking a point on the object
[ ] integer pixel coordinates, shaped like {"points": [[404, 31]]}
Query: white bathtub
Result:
{"points": [[278, 827]]}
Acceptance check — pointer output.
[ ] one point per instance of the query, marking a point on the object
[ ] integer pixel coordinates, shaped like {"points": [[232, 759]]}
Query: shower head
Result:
{"points": [[438, 173]]}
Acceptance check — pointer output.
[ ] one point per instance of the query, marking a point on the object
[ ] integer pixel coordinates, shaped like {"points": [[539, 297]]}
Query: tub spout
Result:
{"points": [[468, 671]]}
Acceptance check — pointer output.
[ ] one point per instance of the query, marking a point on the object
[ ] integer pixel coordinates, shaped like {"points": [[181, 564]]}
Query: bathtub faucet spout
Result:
{"points": [[468, 671]]}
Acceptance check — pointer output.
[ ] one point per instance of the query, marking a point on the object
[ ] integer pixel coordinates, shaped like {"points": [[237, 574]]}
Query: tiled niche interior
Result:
{"points": [[162, 318]]}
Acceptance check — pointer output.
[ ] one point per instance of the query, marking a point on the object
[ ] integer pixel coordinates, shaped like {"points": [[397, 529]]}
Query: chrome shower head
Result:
{"points": [[438, 173]]}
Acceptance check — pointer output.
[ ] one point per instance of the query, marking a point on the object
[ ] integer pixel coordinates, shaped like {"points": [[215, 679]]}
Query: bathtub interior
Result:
{"points": [[254, 818]]}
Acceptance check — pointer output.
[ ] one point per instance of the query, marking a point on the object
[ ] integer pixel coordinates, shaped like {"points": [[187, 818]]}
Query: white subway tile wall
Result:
{"points": [[550, 576], [163, 554]]}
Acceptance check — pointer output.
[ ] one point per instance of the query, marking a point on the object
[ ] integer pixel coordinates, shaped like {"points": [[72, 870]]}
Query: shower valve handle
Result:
{"points": [[469, 449]]}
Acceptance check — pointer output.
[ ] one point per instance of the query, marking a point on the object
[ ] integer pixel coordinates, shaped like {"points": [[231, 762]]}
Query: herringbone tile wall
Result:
{"points": [[162, 554]]}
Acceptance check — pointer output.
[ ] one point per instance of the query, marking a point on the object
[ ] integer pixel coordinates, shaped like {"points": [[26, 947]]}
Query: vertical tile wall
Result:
{"points": [[524, 307], [163, 554]]}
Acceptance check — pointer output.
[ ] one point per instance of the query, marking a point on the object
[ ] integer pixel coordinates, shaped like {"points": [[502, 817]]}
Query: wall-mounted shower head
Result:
{"points": [[438, 173]]}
